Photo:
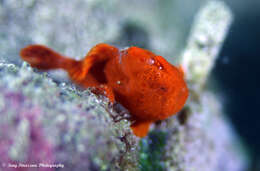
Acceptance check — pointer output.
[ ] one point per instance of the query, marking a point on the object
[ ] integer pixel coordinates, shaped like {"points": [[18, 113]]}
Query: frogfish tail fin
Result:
{"points": [[44, 58], [140, 129]]}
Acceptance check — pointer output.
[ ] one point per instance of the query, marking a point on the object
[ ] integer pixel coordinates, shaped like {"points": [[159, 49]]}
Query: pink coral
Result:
{"points": [[38, 149]]}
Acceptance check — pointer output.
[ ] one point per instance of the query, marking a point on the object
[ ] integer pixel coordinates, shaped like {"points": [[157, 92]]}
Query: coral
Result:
{"points": [[46, 123]]}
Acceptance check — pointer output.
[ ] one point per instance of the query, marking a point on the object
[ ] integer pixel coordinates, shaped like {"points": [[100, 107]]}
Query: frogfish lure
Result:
{"points": [[146, 84]]}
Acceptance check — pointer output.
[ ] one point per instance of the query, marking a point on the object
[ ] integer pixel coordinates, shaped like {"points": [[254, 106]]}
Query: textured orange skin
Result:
{"points": [[146, 84]]}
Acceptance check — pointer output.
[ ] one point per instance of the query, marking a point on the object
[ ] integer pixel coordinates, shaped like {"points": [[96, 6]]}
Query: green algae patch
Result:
{"points": [[152, 150]]}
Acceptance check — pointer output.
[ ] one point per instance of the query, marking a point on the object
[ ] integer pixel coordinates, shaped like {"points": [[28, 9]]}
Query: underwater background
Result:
{"points": [[164, 27], [237, 74]]}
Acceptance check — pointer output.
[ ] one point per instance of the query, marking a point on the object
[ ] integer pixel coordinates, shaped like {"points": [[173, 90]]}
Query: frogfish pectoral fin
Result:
{"points": [[140, 129], [104, 90]]}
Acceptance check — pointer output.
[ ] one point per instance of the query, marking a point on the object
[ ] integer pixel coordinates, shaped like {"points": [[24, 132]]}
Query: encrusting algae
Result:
{"points": [[146, 84]]}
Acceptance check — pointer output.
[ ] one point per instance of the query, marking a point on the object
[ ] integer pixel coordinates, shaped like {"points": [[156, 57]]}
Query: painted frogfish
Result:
{"points": [[144, 83]]}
